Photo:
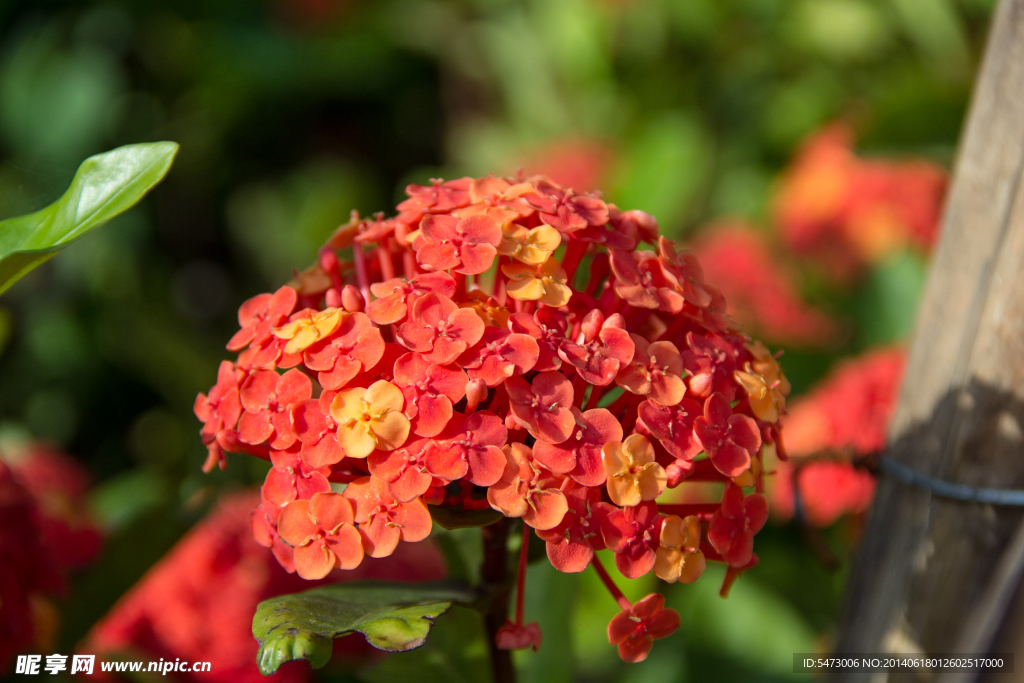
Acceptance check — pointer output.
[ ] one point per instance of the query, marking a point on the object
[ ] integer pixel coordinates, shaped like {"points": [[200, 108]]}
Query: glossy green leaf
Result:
{"points": [[450, 518], [393, 616], [104, 186]]}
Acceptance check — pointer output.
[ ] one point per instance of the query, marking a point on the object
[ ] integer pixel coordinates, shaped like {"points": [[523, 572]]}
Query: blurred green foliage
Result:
{"points": [[290, 113]]}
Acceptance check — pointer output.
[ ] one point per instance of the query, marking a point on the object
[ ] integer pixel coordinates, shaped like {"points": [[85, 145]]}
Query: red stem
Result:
{"points": [[617, 594], [387, 266], [361, 280]]}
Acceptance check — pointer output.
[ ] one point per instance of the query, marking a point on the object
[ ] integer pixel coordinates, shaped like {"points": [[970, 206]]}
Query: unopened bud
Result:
{"points": [[328, 260], [592, 323], [333, 298], [352, 300], [476, 391]]}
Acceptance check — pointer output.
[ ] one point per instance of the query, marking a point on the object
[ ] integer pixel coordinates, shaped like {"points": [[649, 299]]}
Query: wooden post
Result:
{"points": [[935, 574]]}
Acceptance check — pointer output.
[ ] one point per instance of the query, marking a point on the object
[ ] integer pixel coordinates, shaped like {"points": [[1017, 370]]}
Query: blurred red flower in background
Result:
{"points": [[844, 211], [758, 287], [197, 602], [46, 533], [849, 412]]}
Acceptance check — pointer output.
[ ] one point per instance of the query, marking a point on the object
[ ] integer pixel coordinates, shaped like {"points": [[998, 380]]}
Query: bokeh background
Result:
{"points": [[800, 146]]}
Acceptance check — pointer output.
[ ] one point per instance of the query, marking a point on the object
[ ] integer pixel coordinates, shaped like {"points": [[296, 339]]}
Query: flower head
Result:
{"points": [[571, 544], [635, 630], [729, 439], [679, 557], [579, 456], [545, 283], [370, 419], [383, 520], [323, 533], [732, 528], [543, 406], [633, 476], [467, 245], [656, 371], [528, 491], [439, 330], [604, 348], [632, 534]]}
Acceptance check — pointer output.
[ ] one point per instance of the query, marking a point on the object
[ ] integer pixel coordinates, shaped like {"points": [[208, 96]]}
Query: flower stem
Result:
{"points": [[623, 601], [495, 580], [362, 281]]}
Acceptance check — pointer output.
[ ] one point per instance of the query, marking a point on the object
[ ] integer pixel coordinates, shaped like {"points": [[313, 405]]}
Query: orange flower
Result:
{"points": [[370, 419], [307, 327], [322, 531], [528, 491], [633, 476], [678, 556], [764, 383], [531, 246], [545, 283]]}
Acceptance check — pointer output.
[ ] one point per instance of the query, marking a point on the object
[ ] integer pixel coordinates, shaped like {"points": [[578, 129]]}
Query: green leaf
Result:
{"points": [[393, 616], [104, 186], [451, 518]]}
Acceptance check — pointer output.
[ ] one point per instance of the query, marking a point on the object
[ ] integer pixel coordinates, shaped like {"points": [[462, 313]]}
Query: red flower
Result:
{"points": [[267, 398], [686, 271], [512, 637], [317, 431], [467, 245], [500, 354], [632, 534], [403, 469], [263, 524], [322, 531], [673, 426], [439, 330], [571, 544], [605, 347], [219, 412], [291, 478], [543, 406], [548, 327], [635, 630], [641, 279], [260, 315], [656, 371], [396, 296], [430, 390], [729, 439], [579, 456], [759, 290], [732, 528], [383, 520], [528, 491], [469, 447], [711, 362], [440, 196], [355, 346]]}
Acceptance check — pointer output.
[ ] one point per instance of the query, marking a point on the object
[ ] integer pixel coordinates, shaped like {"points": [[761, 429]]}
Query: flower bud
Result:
{"points": [[352, 300]]}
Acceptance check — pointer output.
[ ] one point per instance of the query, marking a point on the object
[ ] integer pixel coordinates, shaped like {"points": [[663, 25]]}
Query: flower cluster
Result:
{"points": [[46, 534], [844, 418], [502, 344], [845, 211], [197, 602]]}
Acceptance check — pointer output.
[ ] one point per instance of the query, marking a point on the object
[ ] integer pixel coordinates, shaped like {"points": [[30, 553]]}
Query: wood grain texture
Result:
{"points": [[925, 561]]}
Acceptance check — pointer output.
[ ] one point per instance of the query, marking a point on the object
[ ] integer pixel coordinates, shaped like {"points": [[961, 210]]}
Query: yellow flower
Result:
{"points": [[633, 476], [531, 283], [531, 246], [764, 383], [489, 310], [307, 330], [678, 557], [370, 419]]}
